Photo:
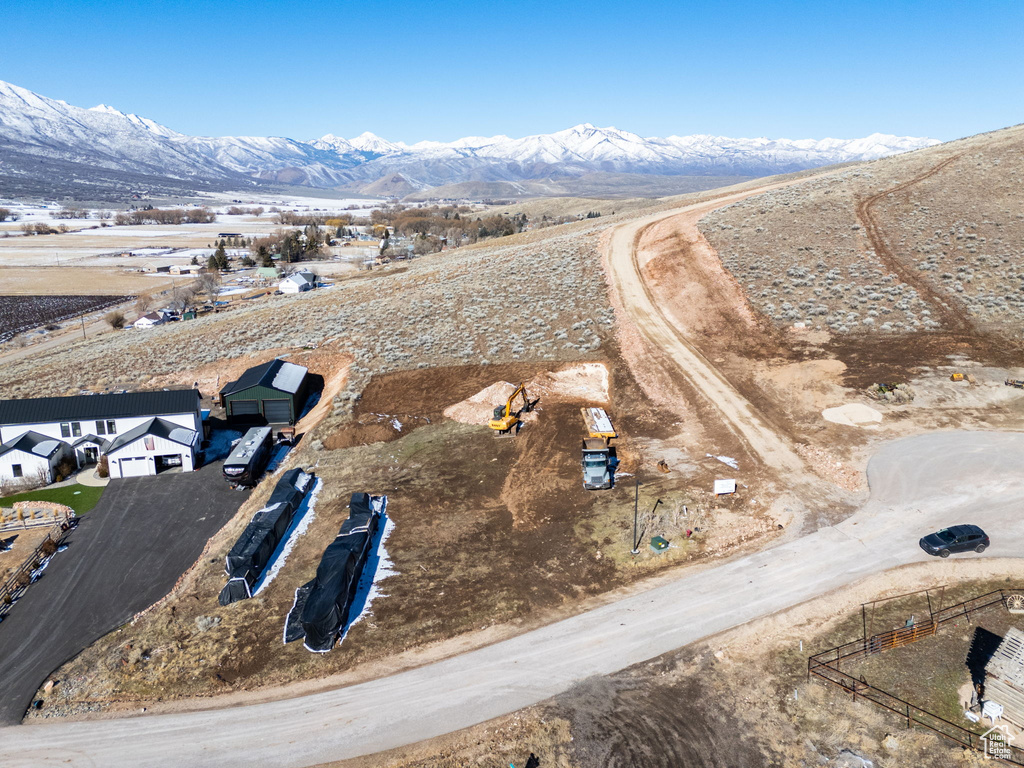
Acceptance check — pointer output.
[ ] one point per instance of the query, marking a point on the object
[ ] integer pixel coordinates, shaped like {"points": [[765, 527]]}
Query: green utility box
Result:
{"points": [[658, 544]]}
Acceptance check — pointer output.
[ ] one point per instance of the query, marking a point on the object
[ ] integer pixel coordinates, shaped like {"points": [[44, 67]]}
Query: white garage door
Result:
{"points": [[134, 467]]}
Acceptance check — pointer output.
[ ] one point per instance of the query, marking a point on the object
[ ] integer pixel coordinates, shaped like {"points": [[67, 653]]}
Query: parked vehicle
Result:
{"points": [[248, 459], [957, 538], [598, 455]]}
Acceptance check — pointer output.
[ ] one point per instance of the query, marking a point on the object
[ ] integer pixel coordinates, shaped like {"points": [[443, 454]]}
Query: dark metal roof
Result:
{"points": [[34, 443], [260, 376], [45, 410], [159, 427]]}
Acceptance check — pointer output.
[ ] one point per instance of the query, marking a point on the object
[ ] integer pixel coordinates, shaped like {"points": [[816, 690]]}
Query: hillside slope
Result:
{"points": [[929, 240]]}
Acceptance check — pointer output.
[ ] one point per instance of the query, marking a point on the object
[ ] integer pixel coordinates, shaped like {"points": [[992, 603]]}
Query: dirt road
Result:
{"points": [[953, 313], [918, 485], [669, 348]]}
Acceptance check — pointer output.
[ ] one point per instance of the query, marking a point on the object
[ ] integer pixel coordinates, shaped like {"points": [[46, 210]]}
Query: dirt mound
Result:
{"points": [[852, 415], [479, 408], [587, 383]]}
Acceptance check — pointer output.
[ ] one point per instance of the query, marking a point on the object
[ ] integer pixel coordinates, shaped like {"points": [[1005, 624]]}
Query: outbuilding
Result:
{"points": [[272, 393]]}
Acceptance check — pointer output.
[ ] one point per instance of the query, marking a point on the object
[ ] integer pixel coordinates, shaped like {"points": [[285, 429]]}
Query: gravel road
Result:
{"points": [[918, 484]]}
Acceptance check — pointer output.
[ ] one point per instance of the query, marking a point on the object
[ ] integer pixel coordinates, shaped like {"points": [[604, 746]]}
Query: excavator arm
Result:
{"points": [[505, 419]]}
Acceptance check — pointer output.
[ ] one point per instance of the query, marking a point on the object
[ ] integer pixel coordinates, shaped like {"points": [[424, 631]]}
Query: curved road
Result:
{"points": [[917, 485], [635, 295]]}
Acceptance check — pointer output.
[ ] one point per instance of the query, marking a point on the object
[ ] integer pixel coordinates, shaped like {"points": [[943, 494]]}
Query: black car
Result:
{"points": [[957, 538]]}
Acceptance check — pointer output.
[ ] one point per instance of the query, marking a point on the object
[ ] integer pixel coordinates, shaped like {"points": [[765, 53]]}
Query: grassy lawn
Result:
{"points": [[80, 498]]}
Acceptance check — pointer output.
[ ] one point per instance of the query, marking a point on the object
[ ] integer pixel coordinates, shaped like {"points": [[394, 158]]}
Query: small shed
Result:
{"points": [[1004, 677], [272, 393]]}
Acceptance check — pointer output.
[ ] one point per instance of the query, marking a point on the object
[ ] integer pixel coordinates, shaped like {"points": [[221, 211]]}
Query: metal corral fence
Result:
{"points": [[826, 666], [20, 580]]}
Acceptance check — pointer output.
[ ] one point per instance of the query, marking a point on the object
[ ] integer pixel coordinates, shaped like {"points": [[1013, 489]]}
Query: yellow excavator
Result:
{"points": [[506, 421]]}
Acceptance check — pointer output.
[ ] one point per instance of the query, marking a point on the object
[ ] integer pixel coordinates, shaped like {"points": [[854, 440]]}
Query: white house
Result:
{"points": [[149, 320], [164, 427], [32, 458], [151, 448], [297, 282]]}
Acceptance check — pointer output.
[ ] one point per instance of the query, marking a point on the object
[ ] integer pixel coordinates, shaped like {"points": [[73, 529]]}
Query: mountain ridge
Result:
{"points": [[118, 141]]}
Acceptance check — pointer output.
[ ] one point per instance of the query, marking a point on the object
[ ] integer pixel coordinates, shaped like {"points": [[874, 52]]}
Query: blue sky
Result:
{"points": [[442, 70]]}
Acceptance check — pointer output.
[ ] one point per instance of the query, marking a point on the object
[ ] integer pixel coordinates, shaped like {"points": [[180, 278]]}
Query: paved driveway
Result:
{"points": [[917, 485], [125, 555]]}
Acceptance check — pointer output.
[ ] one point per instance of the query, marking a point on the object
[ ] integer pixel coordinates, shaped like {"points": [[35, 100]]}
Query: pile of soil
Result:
{"points": [[585, 383], [852, 415]]}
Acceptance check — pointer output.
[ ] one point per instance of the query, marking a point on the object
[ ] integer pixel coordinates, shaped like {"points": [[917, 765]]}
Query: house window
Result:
{"points": [[65, 430], [76, 428], [111, 427], [101, 427], [16, 470]]}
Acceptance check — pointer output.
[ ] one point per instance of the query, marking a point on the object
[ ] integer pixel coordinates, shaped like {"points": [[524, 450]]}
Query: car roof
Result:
{"points": [[963, 530]]}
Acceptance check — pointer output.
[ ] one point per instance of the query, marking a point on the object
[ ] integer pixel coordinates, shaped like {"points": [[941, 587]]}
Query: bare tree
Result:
{"points": [[143, 302], [209, 284], [115, 319]]}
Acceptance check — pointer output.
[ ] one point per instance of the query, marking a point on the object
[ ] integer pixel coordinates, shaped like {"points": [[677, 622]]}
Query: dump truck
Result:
{"points": [[598, 455]]}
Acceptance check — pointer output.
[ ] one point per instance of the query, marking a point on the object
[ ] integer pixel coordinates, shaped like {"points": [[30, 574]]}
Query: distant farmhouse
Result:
{"points": [[149, 320], [298, 282], [139, 433]]}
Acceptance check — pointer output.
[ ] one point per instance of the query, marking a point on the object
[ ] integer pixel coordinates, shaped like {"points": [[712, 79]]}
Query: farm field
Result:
{"points": [[22, 313]]}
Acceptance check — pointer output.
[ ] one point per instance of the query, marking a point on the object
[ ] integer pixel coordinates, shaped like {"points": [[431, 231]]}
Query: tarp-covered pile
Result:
{"points": [[251, 554], [322, 606]]}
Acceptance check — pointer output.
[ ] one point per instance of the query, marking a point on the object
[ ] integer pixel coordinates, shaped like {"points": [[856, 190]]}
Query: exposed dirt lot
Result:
{"points": [[491, 536]]}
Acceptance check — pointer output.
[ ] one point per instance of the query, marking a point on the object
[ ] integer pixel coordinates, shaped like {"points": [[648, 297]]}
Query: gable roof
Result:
{"points": [[158, 427], [93, 439], [277, 374], [44, 410], [301, 278], [34, 443]]}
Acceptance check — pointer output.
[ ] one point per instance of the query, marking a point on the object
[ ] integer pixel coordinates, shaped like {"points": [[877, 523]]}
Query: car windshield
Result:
{"points": [[945, 535]]}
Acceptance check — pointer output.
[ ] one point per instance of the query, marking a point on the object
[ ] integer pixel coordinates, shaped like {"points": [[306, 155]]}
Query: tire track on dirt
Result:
{"points": [[953, 312], [738, 414]]}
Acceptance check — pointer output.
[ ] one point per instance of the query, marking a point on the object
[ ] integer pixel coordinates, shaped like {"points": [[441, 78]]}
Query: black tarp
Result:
{"points": [[322, 605], [250, 555]]}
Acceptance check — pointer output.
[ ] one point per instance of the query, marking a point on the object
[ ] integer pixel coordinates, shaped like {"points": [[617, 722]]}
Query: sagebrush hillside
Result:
{"points": [[927, 240], [533, 297]]}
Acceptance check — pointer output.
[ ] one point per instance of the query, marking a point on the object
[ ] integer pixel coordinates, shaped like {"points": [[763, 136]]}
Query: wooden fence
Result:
{"points": [[20, 580], [826, 665]]}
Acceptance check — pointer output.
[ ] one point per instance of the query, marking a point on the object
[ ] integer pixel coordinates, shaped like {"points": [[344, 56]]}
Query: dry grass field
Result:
{"points": [[924, 241]]}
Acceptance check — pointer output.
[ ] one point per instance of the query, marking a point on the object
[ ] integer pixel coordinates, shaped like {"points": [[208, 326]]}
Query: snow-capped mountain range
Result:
{"points": [[104, 138]]}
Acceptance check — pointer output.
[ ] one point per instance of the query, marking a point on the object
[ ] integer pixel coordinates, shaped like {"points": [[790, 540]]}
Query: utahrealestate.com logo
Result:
{"points": [[998, 742]]}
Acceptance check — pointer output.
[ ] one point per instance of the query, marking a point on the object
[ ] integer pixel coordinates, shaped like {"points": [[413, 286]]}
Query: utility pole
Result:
{"points": [[83, 326], [636, 505]]}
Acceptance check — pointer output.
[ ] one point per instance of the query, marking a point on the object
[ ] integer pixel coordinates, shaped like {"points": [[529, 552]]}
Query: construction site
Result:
{"points": [[637, 502]]}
